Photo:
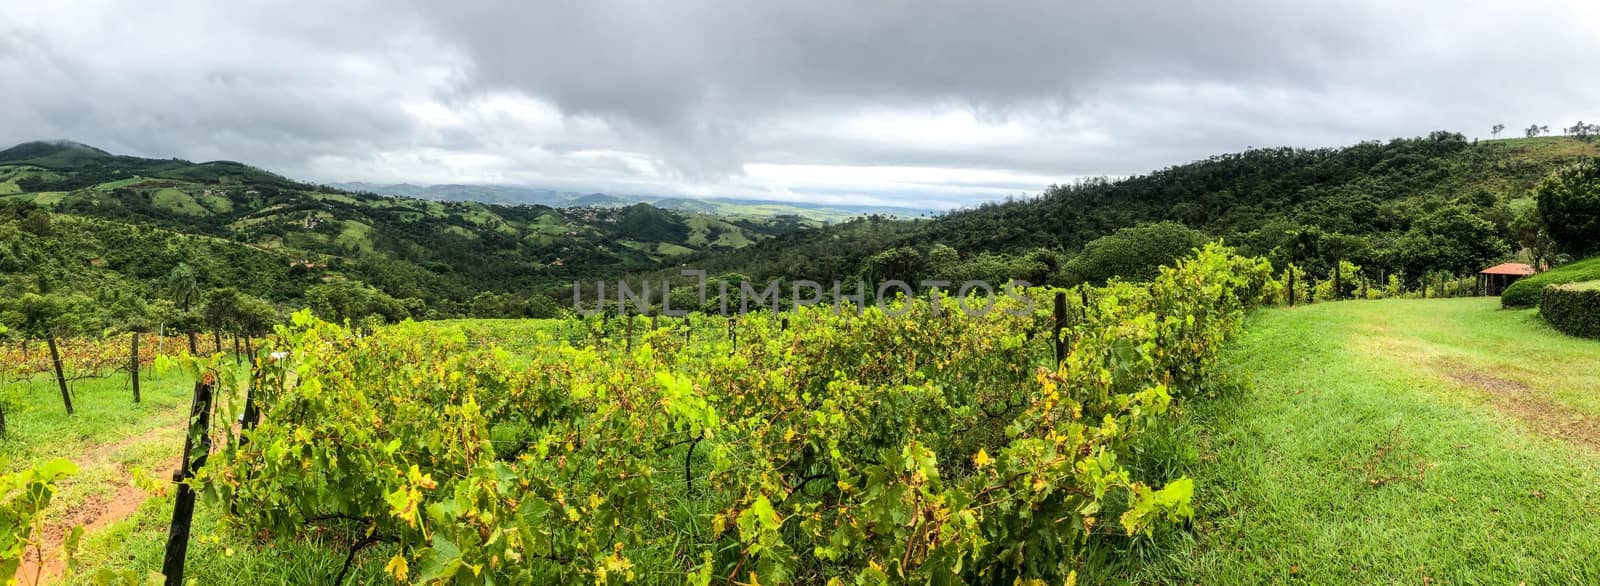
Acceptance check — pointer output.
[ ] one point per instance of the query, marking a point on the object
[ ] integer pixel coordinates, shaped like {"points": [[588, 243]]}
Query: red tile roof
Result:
{"points": [[1510, 268]]}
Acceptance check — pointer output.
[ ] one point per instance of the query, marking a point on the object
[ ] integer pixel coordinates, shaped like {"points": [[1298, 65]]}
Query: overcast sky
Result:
{"points": [[914, 102]]}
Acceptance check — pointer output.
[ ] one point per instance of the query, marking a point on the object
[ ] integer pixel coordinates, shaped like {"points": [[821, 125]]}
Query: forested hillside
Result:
{"points": [[442, 254], [1408, 207]]}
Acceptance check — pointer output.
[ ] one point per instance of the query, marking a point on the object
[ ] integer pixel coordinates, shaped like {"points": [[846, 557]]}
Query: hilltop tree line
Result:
{"points": [[1409, 208]]}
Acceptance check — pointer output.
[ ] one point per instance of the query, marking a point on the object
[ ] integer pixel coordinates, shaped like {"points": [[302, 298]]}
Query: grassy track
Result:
{"points": [[1427, 441]]}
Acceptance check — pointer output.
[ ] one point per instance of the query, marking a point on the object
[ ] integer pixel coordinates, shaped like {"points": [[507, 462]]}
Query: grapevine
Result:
{"points": [[820, 448]]}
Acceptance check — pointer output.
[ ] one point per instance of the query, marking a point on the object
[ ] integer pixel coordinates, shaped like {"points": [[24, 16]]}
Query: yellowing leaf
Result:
{"points": [[398, 568], [981, 459]]}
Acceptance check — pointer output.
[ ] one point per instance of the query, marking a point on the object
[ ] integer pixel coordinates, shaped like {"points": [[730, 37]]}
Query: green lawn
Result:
{"points": [[1408, 441]]}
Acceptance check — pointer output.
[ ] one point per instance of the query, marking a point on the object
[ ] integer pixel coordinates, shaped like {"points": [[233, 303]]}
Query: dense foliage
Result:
{"points": [[796, 450], [1572, 309], [1135, 253], [1569, 202], [1407, 207]]}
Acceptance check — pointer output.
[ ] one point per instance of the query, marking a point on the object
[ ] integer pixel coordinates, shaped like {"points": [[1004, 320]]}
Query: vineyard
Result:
{"points": [[87, 357], [917, 442], [803, 448]]}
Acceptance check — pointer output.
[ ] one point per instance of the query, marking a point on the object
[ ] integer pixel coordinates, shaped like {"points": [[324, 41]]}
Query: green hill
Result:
{"points": [[438, 252], [43, 252], [1406, 207]]}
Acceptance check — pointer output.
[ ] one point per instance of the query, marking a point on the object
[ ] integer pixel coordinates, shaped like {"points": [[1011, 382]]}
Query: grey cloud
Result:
{"points": [[699, 89]]}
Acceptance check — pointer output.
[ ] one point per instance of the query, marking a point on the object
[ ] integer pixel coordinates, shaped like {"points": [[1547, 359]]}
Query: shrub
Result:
{"points": [[1525, 292], [1572, 309], [1135, 254]]}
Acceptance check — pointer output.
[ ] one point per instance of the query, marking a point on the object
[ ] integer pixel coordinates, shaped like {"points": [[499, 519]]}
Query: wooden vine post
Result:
{"points": [[61, 377], [194, 458], [133, 366], [1061, 322]]}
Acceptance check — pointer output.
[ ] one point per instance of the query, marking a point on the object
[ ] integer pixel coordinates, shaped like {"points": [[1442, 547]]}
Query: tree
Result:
{"points": [[1497, 129], [1450, 239], [255, 316], [341, 301], [1583, 132], [184, 286], [1569, 205], [1529, 230], [222, 312], [901, 263], [1133, 253], [942, 259]]}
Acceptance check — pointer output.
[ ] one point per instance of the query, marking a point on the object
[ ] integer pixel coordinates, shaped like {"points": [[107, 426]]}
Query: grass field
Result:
{"points": [[110, 438], [178, 201], [1404, 441], [1414, 441]]}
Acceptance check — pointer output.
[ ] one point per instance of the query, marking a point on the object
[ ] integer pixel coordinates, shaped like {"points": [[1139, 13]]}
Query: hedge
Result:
{"points": [[1526, 291], [1572, 309]]}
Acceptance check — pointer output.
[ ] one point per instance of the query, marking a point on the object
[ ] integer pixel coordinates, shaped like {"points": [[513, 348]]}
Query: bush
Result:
{"points": [[1525, 292], [1572, 309], [1135, 254]]}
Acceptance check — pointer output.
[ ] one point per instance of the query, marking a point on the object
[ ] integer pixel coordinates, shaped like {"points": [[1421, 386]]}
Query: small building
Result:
{"points": [[1495, 279]]}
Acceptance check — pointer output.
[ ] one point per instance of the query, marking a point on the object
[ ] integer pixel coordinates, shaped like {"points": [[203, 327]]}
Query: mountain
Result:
{"points": [[742, 207], [407, 247]]}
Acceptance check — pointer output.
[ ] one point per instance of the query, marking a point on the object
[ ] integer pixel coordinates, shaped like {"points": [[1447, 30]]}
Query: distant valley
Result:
{"points": [[513, 195]]}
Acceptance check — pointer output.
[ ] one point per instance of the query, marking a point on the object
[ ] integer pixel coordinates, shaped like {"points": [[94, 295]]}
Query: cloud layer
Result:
{"points": [[928, 103]]}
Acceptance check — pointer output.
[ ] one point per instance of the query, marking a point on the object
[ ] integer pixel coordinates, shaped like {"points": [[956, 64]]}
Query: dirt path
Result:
{"points": [[43, 564], [1518, 400], [1466, 368]]}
